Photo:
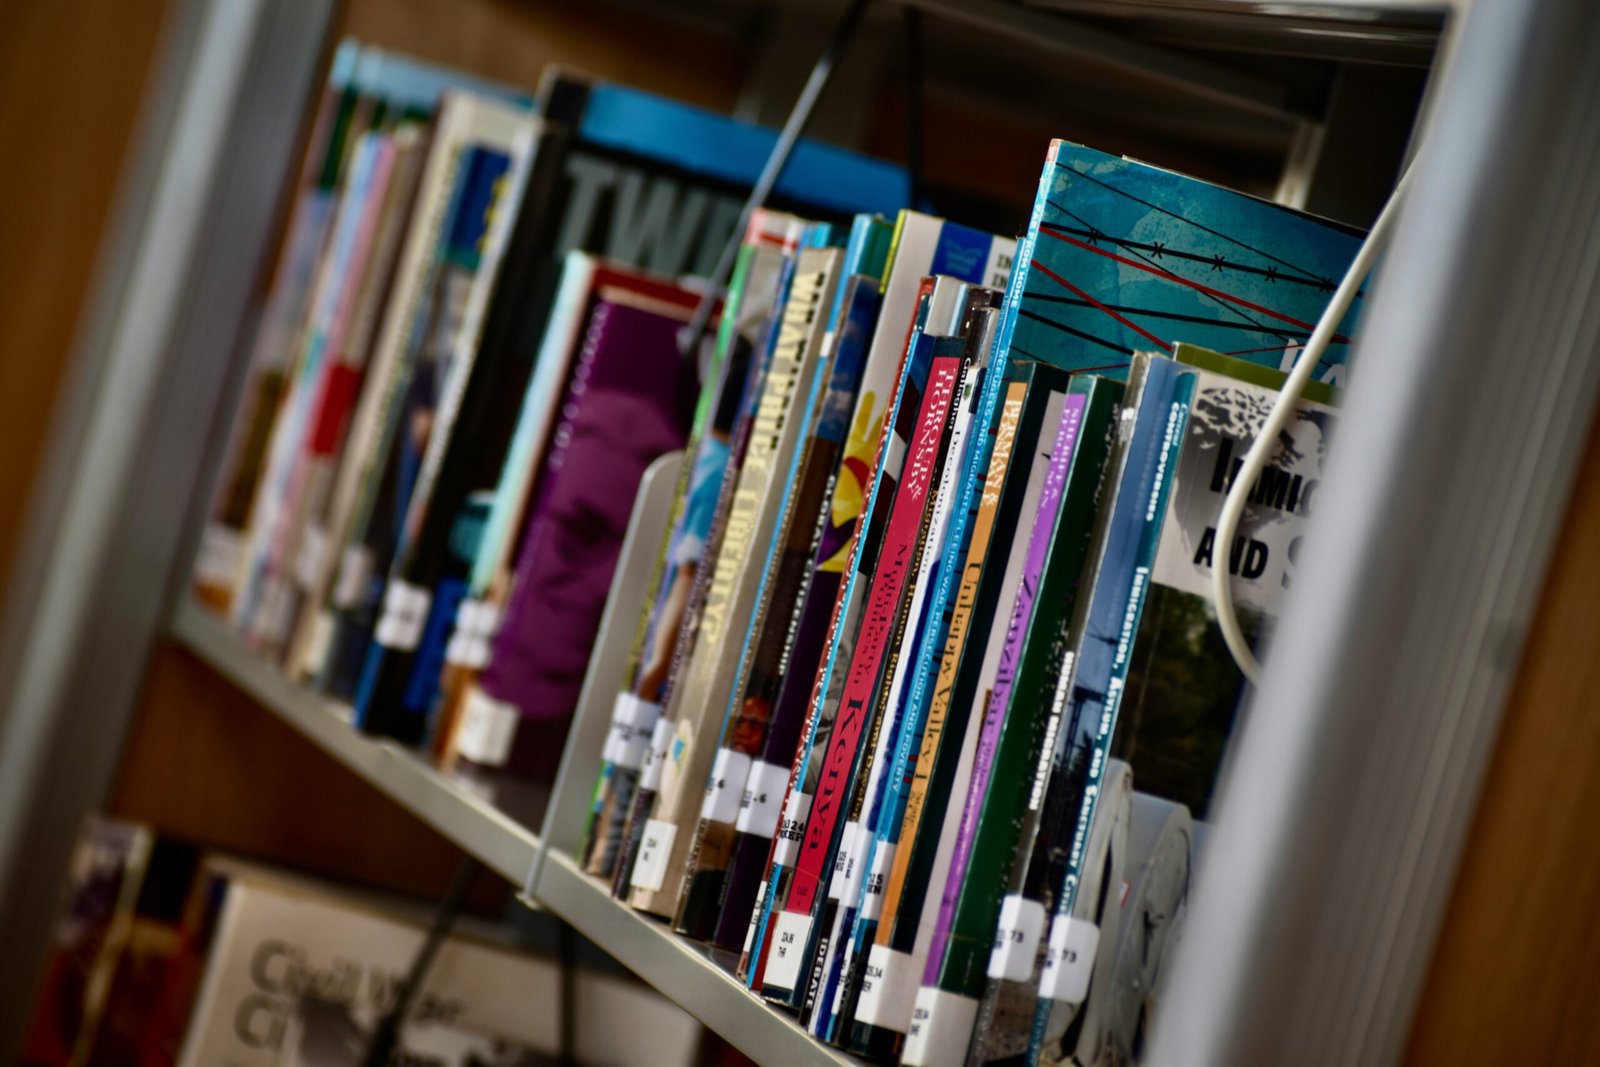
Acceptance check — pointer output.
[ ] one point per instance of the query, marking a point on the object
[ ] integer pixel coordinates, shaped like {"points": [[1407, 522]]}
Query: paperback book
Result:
{"points": [[858, 511], [792, 379], [743, 727], [1165, 701], [638, 740], [1028, 416], [923, 429]]}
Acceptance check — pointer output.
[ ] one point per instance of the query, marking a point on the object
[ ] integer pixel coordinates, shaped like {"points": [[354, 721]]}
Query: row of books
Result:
{"points": [[167, 954], [935, 589], [953, 557], [470, 351]]}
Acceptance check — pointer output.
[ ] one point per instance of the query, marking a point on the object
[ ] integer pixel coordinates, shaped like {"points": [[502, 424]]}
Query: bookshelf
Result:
{"points": [[679, 969], [455, 808], [684, 972], [1398, 648]]}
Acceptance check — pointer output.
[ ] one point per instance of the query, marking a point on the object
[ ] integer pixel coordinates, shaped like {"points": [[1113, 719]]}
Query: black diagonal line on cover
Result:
{"points": [[1153, 265], [1084, 334], [1163, 252], [1187, 222], [1288, 335], [1093, 234]]}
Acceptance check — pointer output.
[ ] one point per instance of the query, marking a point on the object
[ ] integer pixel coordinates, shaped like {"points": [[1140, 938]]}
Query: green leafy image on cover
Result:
{"points": [[1183, 686], [1131, 257]]}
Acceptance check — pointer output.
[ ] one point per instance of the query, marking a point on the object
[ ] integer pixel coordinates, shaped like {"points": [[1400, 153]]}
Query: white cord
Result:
{"points": [[1256, 460]]}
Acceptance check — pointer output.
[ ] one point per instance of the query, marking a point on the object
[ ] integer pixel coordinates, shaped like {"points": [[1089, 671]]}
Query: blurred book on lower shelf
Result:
{"points": [[168, 954]]}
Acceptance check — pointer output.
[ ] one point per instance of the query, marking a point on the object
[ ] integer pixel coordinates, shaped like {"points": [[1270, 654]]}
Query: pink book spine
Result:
{"points": [[900, 536]]}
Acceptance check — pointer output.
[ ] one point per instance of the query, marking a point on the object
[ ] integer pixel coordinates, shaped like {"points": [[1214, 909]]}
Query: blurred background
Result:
{"points": [[209, 788]]}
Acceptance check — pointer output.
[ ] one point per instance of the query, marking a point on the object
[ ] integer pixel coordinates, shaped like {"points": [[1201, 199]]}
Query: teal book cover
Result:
{"points": [[1125, 257]]}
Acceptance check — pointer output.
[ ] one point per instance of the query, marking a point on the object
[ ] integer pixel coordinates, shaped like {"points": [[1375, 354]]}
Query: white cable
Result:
{"points": [[1256, 459]]}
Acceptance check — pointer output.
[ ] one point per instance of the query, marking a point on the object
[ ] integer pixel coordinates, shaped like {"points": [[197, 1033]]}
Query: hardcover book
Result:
{"points": [[630, 400]]}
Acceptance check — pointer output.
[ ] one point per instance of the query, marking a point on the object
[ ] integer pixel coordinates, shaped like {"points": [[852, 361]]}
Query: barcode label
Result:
{"points": [[888, 988], [941, 1027], [877, 879], [472, 640], [632, 722], [313, 558], [487, 728], [791, 828], [218, 560], [355, 575], [655, 763]]}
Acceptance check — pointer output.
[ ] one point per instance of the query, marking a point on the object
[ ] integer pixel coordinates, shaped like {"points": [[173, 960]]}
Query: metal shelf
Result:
{"points": [[449, 805], [679, 969]]}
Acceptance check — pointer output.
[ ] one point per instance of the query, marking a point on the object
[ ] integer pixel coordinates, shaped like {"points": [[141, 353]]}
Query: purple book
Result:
{"points": [[630, 400], [1039, 540]]}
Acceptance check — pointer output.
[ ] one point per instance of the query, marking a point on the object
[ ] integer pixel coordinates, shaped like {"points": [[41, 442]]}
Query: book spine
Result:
{"points": [[258, 597], [297, 555], [1099, 671], [664, 762], [746, 721], [895, 967], [478, 619], [222, 540], [974, 910], [880, 895], [415, 618], [796, 927], [846, 571], [784, 688], [404, 363], [328, 529], [1016, 939], [966, 444], [637, 708], [711, 780]]}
